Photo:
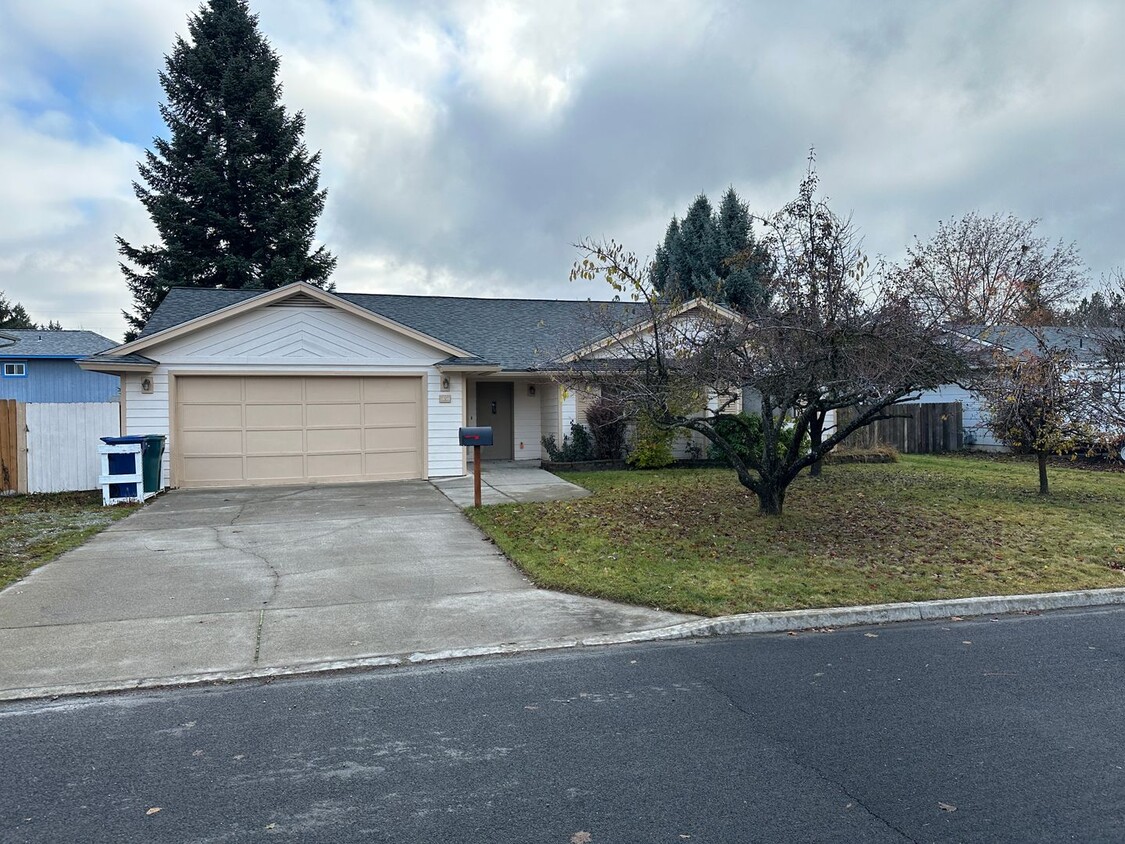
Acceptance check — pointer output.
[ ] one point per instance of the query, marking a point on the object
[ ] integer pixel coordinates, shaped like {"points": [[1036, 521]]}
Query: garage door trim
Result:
{"points": [[176, 464]]}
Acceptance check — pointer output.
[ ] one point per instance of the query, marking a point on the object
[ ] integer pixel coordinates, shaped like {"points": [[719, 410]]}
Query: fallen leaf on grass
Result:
{"points": [[153, 810], [947, 807]]}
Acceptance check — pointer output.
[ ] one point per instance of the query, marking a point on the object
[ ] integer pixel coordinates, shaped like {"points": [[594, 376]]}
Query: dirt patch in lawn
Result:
{"points": [[35, 529], [924, 528]]}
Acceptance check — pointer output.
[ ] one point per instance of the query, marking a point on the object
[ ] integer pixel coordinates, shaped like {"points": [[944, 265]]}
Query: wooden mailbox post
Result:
{"points": [[475, 437]]}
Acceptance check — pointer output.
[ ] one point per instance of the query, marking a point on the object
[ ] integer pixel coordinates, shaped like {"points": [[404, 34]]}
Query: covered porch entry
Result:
{"points": [[521, 410]]}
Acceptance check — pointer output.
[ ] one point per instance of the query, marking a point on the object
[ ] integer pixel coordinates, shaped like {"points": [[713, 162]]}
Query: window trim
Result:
{"points": [[22, 364]]}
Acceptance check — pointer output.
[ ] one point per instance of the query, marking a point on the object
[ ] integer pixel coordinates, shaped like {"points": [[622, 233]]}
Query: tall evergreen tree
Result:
{"points": [[14, 315], [713, 254], [233, 192]]}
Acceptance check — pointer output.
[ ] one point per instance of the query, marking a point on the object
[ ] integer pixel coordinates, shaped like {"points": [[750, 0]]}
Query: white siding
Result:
{"points": [[62, 444], [550, 421], [974, 417], [286, 335], [148, 413], [527, 422], [307, 341], [445, 456]]}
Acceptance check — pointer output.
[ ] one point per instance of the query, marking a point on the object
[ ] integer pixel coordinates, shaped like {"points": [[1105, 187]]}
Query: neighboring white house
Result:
{"points": [[299, 385], [1013, 340]]}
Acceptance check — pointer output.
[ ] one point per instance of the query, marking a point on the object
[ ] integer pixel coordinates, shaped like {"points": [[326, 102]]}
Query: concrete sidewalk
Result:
{"points": [[225, 582], [508, 482]]}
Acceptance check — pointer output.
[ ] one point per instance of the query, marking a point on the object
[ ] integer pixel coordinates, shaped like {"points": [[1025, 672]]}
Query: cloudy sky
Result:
{"points": [[466, 146]]}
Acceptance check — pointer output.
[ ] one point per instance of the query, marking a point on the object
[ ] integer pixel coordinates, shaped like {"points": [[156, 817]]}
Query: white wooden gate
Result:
{"points": [[62, 444]]}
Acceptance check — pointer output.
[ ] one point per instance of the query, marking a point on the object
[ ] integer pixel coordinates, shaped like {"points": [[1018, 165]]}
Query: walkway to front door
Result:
{"points": [[507, 482]]}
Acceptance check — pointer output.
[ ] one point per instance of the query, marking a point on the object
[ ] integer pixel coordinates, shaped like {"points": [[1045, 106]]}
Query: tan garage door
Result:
{"points": [[234, 431]]}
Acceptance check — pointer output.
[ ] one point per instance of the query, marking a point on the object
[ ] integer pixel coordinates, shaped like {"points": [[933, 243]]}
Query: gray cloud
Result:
{"points": [[467, 145]]}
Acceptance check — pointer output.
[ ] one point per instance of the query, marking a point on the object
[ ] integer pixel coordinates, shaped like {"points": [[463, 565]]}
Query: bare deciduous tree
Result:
{"points": [[1039, 402], [828, 340], [990, 271]]}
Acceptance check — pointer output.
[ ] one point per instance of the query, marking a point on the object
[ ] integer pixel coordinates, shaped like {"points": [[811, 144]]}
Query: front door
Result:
{"points": [[494, 409]]}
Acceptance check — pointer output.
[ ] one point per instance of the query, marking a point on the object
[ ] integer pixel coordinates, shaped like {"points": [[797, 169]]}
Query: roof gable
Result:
{"points": [[297, 294]]}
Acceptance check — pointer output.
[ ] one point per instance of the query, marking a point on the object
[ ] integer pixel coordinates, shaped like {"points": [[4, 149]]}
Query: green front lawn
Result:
{"points": [[927, 527], [34, 529]]}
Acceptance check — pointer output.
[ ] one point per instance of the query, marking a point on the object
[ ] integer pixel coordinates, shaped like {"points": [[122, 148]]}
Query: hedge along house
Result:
{"points": [[299, 385]]}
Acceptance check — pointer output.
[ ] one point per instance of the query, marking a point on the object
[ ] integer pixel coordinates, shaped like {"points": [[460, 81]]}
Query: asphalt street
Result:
{"points": [[965, 730]]}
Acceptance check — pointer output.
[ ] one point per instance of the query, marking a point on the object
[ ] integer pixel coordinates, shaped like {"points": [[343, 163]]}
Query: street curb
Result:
{"points": [[731, 625]]}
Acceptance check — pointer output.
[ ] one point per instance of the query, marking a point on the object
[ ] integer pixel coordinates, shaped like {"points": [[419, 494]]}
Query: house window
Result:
{"points": [[15, 370]]}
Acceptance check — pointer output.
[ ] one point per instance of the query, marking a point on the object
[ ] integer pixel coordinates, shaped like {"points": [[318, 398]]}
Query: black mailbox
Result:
{"points": [[475, 436]]}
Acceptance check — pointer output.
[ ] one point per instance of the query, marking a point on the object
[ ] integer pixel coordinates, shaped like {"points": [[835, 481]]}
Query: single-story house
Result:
{"points": [[38, 367], [1013, 340], [301, 385]]}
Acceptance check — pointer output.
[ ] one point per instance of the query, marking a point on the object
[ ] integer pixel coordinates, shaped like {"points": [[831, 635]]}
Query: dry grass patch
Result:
{"points": [[35, 529], [923, 528]]}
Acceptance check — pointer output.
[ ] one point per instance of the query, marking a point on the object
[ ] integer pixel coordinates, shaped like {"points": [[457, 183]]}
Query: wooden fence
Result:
{"points": [[13, 447], [913, 428], [53, 447]]}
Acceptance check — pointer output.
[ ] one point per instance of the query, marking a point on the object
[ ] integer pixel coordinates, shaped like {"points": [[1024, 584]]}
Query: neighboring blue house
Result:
{"points": [[38, 367]]}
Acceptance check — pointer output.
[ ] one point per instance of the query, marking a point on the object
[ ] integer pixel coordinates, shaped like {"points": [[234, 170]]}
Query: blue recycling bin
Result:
{"points": [[124, 464]]}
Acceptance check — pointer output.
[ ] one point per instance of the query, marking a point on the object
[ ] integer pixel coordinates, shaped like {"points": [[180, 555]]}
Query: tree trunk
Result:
{"points": [[771, 500], [816, 435], [1043, 488]]}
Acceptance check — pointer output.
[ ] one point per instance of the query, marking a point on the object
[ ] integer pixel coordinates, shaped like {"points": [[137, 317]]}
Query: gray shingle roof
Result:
{"points": [[51, 344], [1016, 339], [518, 334]]}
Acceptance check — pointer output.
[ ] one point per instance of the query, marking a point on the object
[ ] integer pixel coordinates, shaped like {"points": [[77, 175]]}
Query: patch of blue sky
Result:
{"points": [[92, 107]]}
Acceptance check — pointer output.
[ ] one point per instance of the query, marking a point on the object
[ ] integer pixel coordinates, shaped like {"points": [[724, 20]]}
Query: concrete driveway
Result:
{"points": [[246, 581]]}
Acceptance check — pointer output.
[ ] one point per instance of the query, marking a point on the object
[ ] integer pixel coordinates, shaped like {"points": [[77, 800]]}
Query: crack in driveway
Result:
{"points": [[275, 579]]}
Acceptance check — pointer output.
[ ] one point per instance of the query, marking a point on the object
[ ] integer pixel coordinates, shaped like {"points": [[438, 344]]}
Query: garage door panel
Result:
{"points": [[347, 390], [325, 415], [275, 468], [195, 416], [341, 466], [263, 429], [394, 465], [209, 389], [274, 390], [213, 470], [275, 442], [398, 413], [390, 439], [274, 416], [391, 389], [209, 443], [334, 440]]}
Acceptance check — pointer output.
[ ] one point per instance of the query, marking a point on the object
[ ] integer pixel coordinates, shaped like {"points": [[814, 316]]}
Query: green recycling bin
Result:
{"points": [[152, 461]]}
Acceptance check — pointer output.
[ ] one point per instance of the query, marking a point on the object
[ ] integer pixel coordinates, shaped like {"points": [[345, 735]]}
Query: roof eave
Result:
{"points": [[111, 367], [469, 368]]}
